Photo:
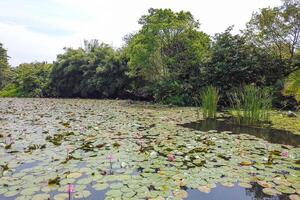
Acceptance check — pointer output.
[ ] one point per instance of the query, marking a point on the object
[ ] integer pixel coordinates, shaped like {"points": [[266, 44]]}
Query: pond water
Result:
{"points": [[115, 150], [270, 134]]}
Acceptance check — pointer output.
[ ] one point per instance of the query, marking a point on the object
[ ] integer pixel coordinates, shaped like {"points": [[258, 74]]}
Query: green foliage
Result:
{"points": [[251, 105], [4, 66], [10, 90], [235, 62], [277, 29], [292, 85], [172, 92], [28, 80], [167, 49], [32, 79], [169, 60], [97, 71], [209, 102]]}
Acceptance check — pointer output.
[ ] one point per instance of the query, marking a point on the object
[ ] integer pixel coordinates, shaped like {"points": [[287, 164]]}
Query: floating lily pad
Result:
{"points": [[82, 194], [62, 196], [204, 189], [100, 186], [41, 197], [271, 191], [245, 185]]}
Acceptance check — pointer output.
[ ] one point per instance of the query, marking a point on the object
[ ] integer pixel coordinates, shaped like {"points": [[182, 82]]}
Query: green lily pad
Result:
{"points": [[82, 194], [204, 189], [11, 193], [245, 185], [100, 186], [41, 197], [271, 191], [62, 196]]}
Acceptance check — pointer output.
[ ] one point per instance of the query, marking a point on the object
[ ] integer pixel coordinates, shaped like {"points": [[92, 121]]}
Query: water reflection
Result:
{"points": [[276, 136], [234, 193]]}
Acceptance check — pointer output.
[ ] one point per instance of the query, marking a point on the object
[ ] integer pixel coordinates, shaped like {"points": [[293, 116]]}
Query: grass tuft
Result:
{"points": [[209, 102], [251, 105]]}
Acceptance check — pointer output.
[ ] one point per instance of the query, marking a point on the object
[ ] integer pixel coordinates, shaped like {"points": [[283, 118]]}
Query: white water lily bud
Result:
{"points": [[153, 154], [186, 158], [123, 164]]}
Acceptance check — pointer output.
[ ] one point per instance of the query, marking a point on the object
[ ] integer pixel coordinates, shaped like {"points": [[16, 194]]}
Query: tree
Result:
{"points": [[235, 63], [95, 71], [278, 31], [165, 53], [4, 66], [31, 79]]}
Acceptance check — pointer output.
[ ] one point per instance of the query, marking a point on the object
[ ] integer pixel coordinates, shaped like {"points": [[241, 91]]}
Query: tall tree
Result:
{"points": [[31, 79], [278, 30], [166, 51], [4, 66]]}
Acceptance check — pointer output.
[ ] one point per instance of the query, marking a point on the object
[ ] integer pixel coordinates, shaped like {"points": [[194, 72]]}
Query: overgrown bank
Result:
{"points": [[170, 60]]}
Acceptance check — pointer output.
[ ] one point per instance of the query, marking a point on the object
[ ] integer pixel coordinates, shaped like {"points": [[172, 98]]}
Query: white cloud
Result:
{"points": [[31, 29]]}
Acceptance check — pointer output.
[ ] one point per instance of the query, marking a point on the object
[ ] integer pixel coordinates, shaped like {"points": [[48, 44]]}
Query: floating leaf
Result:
{"points": [[271, 191], [204, 189]]}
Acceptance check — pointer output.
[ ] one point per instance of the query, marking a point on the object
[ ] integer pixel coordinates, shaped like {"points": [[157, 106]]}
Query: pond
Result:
{"points": [[102, 149]]}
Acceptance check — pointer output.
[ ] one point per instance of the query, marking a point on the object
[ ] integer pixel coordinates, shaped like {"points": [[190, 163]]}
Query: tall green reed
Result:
{"points": [[251, 105], [209, 102]]}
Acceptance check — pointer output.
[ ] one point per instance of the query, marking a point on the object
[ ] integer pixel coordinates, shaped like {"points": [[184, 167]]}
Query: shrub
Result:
{"points": [[292, 85]]}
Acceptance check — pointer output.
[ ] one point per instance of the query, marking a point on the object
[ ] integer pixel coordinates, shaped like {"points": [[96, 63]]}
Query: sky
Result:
{"points": [[38, 30]]}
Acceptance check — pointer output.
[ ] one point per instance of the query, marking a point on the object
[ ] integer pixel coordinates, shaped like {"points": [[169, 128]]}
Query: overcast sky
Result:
{"points": [[37, 30]]}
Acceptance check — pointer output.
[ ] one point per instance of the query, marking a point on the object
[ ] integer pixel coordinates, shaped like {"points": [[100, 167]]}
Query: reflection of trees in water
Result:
{"points": [[272, 135], [256, 193]]}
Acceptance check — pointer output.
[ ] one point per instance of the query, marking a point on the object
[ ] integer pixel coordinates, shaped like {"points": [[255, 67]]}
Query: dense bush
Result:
{"points": [[96, 71], [28, 80]]}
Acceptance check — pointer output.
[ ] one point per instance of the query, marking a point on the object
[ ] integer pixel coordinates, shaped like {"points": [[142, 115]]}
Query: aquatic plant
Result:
{"points": [[171, 157], [110, 158], [251, 105], [209, 102], [284, 154], [70, 189]]}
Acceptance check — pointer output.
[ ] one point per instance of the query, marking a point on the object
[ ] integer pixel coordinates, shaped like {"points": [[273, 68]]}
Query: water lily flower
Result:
{"points": [[110, 157], [141, 143], [81, 129], [153, 154], [69, 148], [123, 164], [284, 154], [171, 157], [70, 188], [137, 136]]}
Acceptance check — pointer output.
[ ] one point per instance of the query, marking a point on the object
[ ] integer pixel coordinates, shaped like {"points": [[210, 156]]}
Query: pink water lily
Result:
{"points": [[81, 129], [110, 157], [171, 157], [284, 154], [70, 188], [69, 148], [141, 142]]}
